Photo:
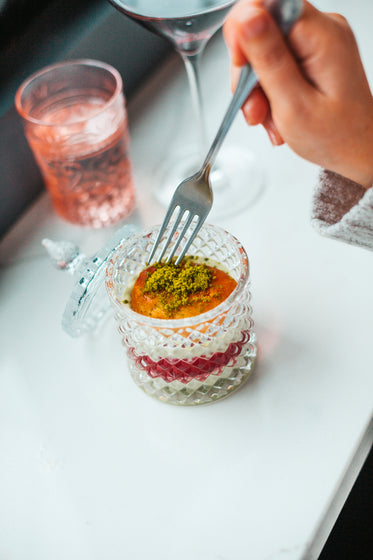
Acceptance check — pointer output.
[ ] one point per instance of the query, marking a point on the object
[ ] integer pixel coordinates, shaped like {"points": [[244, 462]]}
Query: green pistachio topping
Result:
{"points": [[176, 283]]}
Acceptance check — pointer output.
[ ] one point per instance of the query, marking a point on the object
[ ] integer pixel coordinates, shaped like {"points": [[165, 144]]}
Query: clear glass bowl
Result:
{"points": [[194, 360]]}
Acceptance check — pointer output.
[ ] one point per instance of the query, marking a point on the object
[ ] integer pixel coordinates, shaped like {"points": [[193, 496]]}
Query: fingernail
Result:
{"points": [[273, 134], [275, 138], [272, 137]]}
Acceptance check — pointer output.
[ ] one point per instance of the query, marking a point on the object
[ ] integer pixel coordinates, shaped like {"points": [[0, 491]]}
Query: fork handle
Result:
{"points": [[246, 84], [285, 12]]}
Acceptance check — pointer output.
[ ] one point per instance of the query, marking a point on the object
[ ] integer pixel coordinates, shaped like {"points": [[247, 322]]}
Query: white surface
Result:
{"points": [[92, 468]]}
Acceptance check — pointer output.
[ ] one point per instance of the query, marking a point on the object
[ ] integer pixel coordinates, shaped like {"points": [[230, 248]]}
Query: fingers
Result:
{"points": [[271, 129], [256, 108], [229, 31], [252, 35], [320, 40]]}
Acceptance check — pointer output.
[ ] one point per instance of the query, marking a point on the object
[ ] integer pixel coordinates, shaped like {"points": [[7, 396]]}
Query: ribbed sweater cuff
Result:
{"points": [[343, 210]]}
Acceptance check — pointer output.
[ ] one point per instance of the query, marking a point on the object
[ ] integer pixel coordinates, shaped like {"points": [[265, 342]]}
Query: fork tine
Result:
{"points": [[181, 236], [162, 229], [172, 232], [191, 238]]}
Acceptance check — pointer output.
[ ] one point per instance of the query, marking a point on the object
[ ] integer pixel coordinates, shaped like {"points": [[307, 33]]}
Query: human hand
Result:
{"points": [[313, 93]]}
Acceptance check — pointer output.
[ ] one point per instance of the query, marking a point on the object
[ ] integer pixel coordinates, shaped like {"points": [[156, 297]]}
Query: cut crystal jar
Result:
{"points": [[188, 361]]}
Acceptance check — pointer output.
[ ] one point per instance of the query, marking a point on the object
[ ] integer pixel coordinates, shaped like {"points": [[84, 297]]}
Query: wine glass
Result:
{"points": [[189, 24]]}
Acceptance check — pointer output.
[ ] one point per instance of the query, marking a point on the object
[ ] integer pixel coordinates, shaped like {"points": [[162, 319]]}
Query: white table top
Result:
{"points": [[92, 468]]}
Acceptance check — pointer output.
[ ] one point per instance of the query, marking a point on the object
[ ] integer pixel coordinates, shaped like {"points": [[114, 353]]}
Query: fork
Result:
{"points": [[193, 198]]}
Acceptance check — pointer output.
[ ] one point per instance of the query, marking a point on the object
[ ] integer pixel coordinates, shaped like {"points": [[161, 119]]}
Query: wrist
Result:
{"points": [[361, 173], [365, 179], [357, 164]]}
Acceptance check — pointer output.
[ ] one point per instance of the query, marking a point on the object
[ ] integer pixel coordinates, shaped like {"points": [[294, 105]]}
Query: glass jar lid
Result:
{"points": [[88, 302]]}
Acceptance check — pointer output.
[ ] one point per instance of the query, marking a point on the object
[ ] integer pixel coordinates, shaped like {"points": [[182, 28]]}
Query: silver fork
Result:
{"points": [[193, 198]]}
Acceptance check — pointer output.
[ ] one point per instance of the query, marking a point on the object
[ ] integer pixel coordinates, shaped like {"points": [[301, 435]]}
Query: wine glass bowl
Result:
{"points": [[187, 24]]}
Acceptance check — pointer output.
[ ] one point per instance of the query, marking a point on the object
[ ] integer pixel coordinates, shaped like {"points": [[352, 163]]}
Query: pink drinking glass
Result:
{"points": [[75, 121]]}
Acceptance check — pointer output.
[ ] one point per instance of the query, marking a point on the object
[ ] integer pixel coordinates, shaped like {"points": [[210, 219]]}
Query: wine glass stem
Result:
{"points": [[191, 62]]}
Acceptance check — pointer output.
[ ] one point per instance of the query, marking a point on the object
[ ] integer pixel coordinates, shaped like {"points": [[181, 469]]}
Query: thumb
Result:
{"points": [[253, 35]]}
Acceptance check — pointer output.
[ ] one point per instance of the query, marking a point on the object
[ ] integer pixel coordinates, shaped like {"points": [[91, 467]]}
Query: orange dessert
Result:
{"points": [[169, 291]]}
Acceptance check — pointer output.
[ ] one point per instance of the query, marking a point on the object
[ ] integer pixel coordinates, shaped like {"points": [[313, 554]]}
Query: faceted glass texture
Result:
{"points": [[194, 360]]}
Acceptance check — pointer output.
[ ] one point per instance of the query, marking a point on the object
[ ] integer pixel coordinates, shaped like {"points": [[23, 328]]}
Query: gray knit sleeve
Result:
{"points": [[343, 210]]}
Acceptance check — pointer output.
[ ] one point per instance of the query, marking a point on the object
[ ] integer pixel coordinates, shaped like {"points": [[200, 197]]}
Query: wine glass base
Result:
{"points": [[180, 165], [237, 179]]}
